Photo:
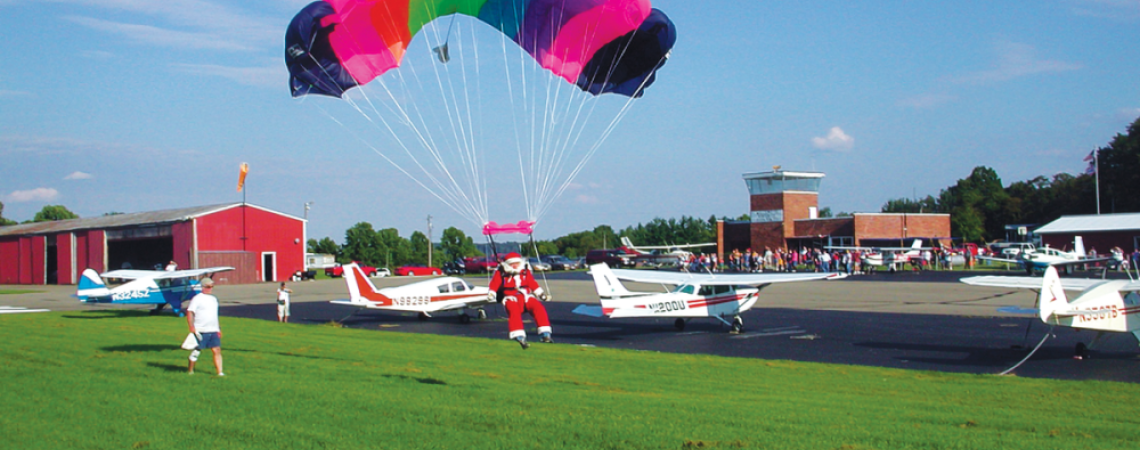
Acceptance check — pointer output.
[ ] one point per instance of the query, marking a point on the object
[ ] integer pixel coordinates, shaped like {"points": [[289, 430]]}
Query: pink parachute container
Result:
{"points": [[522, 227]]}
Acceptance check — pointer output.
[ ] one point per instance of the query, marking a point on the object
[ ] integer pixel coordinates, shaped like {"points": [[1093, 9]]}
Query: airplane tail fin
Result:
{"points": [[360, 288], [606, 283], [91, 284], [1079, 246], [1052, 295]]}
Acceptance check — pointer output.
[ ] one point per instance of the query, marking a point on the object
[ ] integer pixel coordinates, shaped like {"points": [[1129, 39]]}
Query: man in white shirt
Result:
{"points": [[202, 318]]}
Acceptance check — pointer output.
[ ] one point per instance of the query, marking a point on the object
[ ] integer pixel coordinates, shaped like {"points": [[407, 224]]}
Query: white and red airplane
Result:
{"points": [[1103, 305], [670, 255], [424, 297], [718, 296], [890, 257]]}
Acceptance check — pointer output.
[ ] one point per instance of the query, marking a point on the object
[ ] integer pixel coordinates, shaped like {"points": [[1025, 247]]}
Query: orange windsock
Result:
{"points": [[241, 177]]}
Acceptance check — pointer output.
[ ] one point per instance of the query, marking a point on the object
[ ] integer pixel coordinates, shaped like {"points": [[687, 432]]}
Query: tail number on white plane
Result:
{"points": [[670, 306], [412, 301], [1103, 312]]}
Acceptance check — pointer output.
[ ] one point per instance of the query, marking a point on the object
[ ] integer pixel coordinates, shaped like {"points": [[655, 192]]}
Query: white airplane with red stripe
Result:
{"points": [[720, 296], [1106, 306], [424, 297]]}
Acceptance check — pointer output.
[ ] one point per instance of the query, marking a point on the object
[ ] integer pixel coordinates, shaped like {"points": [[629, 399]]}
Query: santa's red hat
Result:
{"points": [[513, 257]]}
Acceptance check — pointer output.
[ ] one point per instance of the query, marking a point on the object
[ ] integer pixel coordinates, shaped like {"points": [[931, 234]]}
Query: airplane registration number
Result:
{"points": [[130, 295], [412, 301], [1103, 312], [670, 306]]}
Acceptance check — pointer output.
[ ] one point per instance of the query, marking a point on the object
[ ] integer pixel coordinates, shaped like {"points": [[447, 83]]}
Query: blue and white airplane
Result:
{"points": [[144, 287]]}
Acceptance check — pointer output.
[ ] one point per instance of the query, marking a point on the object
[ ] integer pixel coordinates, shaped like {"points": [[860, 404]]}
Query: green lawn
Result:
{"points": [[116, 379], [17, 291]]}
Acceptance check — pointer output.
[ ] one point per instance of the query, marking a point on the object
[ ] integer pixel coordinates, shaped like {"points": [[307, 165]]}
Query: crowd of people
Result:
{"points": [[851, 262]]}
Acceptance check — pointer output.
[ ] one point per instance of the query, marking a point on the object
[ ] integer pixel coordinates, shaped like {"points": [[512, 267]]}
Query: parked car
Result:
{"points": [[479, 265], [613, 258], [538, 265], [337, 271], [455, 268], [559, 262], [382, 272], [417, 271]]}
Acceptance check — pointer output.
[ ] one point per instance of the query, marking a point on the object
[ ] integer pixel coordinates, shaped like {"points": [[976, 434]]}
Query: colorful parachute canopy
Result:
{"points": [[600, 45]]}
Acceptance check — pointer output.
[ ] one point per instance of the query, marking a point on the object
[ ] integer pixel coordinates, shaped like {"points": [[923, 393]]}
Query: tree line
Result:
{"points": [[980, 207]]}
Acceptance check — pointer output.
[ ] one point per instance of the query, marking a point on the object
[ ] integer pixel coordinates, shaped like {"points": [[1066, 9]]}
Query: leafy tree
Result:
{"points": [[906, 205], [4, 221], [363, 244], [399, 251], [1119, 167], [326, 245], [419, 255], [455, 245], [52, 213]]}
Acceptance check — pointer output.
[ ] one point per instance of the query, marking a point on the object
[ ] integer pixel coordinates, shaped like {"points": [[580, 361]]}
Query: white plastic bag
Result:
{"points": [[190, 343]]}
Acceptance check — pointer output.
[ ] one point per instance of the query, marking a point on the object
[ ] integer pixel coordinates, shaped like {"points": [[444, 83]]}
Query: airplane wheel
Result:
{"points": [[737, 325], [1068, 269], [422, 316], [464, 318], [482, 314], [680, 324], [1082, 351]]}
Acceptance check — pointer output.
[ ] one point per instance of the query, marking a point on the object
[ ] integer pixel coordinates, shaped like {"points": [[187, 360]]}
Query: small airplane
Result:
{"points": [[661, 254], [696, 295], [424, 297], [890, 257], [1103, 305], [144, 287], [1038, 259]]}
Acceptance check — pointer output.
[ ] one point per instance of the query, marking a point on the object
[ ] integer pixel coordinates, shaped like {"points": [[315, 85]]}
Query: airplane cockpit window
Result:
{"points": [[444, 288], [706, 290], [722, 289], [685, 289], [458, 286]]}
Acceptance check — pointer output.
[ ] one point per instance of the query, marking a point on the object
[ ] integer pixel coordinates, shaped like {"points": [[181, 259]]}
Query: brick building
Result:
{"points": [[784, 212]]}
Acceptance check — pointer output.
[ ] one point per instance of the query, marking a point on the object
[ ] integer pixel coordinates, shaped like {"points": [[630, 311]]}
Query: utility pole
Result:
{"points": [[429, 240]]}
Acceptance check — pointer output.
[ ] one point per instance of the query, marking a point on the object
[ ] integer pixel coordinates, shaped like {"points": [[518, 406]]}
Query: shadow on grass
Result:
{"points": [[167, 367], [108, 314], [141, 348], [424, 380]]}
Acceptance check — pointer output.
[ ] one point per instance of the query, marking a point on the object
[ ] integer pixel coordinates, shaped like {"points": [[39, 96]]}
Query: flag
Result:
{"points": [[1091, 159], [241, 176]]}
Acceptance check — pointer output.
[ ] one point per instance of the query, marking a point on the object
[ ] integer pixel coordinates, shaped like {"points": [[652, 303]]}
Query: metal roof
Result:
{"points": [[1092, 223], [122, 220]]}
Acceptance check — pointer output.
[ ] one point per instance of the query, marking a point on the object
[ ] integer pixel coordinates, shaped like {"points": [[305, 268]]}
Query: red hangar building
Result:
{"points": [[261, 244], [784, 213]]}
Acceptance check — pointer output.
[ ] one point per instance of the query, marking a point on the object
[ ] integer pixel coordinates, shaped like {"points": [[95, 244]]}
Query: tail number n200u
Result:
{"points": [[663, 307]]}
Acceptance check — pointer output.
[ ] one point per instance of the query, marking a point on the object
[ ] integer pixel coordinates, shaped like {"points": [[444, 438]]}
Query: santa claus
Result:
{"points": [[514, 285]]}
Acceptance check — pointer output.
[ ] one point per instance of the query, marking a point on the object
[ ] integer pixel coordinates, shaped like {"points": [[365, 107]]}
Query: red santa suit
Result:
{"points": [[515, 286]]}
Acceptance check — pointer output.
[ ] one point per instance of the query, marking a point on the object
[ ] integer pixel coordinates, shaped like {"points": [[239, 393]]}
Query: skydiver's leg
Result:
{"points": [[218, 359], [538, 311], [514, 309]]}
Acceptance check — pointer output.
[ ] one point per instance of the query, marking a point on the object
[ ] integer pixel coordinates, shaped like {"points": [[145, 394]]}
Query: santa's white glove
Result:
{"points": [[492, 297], [542, 295]]}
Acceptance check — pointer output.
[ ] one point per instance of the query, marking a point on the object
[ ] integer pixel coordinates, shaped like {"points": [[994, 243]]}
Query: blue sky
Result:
{"points": [[138, 105]]}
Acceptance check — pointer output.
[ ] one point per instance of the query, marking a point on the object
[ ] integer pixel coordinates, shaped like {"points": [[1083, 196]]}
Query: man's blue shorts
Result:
{"points": [[210, 340]]}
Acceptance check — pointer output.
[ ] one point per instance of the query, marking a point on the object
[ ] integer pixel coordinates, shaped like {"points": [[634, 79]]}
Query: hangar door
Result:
{"points": [[148, 248]]}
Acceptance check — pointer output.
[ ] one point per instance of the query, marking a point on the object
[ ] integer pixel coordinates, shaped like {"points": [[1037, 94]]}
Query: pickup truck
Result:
{"points": [[338, 271]]}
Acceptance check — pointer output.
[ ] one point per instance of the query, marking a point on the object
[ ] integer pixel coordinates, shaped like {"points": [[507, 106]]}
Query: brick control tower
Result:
{"points": [[779, 198]]}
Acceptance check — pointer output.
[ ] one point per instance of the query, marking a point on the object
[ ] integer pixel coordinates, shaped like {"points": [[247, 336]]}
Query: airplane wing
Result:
{"points": [[1069, 284], [753, 279], [129, 274], [1006, 260]]}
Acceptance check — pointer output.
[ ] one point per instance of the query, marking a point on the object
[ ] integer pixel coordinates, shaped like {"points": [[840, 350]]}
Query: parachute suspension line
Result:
{"points": [[456, 208]]}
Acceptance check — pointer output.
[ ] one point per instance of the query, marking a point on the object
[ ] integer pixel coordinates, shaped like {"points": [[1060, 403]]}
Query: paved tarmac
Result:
{"points": [[925, 321]]}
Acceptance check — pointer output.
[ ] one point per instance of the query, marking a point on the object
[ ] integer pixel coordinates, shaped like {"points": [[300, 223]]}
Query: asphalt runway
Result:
{"points": [[938, 342], [918, 321]]}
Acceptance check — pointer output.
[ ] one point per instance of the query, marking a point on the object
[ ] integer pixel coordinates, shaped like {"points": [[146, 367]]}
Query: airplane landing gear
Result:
{"points": [[737, 325], [157, 309], [680, 324], [482, 314], [423, 316], [464, 318], [1081, 351]]}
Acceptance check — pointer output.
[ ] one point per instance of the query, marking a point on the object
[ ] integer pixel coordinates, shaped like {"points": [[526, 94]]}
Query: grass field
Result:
{"points": [[116, 380], [17, 291]]}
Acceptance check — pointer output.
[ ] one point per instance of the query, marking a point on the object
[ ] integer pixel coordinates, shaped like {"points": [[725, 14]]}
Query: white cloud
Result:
{"points": [[1015, 60], [1128, 114], [836, 140], [33, 195], [77, 175], [195, 24], [1117, 10], [926, 101], [148, 34], [586, 199]]}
